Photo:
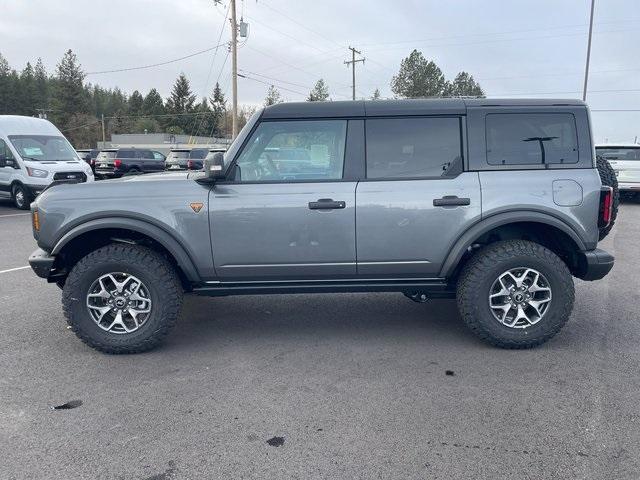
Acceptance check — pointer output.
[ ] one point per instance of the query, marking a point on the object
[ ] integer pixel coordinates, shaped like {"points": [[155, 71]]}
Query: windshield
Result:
{"points": [[198, 153], [619, 153], [173, 155], [106, 155], [242, 136], [43, 148]]}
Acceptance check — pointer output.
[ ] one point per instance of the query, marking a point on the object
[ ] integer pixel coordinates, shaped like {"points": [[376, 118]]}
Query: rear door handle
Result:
{"points": [[326, 204], [450, 201]]}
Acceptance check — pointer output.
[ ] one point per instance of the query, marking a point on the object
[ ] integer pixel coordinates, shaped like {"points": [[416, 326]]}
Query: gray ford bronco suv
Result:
{"points": [[497, 203]]}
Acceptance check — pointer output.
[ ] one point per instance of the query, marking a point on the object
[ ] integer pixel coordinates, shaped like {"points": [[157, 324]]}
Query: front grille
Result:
{"points": [[80, 176]]}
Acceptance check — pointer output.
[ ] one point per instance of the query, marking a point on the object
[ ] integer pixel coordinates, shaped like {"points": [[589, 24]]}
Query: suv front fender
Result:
{"points": [[154, 232]]}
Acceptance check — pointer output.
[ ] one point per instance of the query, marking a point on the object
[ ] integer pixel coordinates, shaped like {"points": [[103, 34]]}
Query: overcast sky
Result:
{"points": [[526, 48]]}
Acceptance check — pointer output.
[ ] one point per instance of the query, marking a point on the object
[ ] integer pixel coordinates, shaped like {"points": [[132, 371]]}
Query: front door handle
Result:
{"points": [[451, 201], [326, 204]]}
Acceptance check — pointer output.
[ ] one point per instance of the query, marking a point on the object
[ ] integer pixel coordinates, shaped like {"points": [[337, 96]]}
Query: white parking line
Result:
{"points": [[13, 269], [14, 215]]}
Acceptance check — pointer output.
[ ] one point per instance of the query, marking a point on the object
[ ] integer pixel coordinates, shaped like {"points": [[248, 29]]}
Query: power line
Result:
{"points": [[267, 83], [302, 25], [142, 67], [276, 79]]}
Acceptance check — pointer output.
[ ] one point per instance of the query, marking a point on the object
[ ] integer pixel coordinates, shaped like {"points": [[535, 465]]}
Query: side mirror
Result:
{"points": [[7, 162], [214, 166]]}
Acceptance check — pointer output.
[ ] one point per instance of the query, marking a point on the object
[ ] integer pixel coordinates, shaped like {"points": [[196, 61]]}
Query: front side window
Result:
{"points": [[531, 138], [43, 148], [413, 147], [619, 153], [294, 150]]}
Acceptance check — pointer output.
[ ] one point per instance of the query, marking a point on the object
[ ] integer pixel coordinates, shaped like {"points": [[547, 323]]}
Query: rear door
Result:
{"points": [[416, 199], [276, 221]]}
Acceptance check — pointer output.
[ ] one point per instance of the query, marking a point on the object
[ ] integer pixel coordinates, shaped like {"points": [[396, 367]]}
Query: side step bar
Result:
{"points": [[436, 288]]}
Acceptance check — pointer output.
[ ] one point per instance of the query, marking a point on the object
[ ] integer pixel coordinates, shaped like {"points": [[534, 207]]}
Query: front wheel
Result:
{"points": [[122, 298], [20, 197], [515, 294]]}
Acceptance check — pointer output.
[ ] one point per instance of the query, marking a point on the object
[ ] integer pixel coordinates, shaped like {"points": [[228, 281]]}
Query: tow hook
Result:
{"points": [[418, 297]]}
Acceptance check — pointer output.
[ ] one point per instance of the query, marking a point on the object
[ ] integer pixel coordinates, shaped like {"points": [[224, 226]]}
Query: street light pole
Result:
{"points": [[234, 70], [586, 69]]}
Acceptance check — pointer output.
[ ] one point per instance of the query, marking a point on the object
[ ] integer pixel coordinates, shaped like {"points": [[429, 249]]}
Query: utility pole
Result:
{"points": [[103, 136], [234, 70], [353, 62], [586, 69]]}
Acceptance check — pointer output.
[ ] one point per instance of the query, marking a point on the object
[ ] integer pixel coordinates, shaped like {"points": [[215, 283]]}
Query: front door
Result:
{"points": [[7, 171], [416, 200], [288, 213]]}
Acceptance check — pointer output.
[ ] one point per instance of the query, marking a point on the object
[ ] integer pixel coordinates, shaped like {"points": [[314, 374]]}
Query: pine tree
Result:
{"points": [[153, 104], [27, 92], [69, 94], [376, 95], [418, 77], [219, 107], [41, 85], [320, 92], [6, 87], [180, 102], [463, 85], [135, 103], [273, 96]]}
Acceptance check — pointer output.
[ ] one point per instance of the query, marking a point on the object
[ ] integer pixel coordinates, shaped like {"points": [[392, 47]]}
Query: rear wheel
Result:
{"points": [[515, 294], [20, 197], [122, 298], [608, 178]]}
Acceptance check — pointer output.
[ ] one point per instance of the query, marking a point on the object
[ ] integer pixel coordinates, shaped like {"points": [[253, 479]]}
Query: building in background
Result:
{"points": [[162, 142]]}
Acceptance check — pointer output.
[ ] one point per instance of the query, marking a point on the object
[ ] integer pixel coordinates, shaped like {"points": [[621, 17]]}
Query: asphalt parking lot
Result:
{"points": [[356, 386]]}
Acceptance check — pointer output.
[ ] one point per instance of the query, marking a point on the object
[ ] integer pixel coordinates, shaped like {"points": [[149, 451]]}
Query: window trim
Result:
{"points": [[463, 148], [528, 166], [234, 161]]}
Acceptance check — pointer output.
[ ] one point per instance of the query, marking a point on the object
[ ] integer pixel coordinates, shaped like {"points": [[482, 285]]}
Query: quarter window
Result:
{"points": [[531, 138], [413, 147], [294, 150]]}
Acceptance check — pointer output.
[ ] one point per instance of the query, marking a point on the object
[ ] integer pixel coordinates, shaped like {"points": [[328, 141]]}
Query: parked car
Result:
{"points": [[33, 153], [114, 163], [89, 155], [196, 160], [497, 203], [177, 159], [625, 160]]}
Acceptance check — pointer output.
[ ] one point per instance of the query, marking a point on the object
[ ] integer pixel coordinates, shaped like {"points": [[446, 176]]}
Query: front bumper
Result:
{"points": [[595, 264], [42, 263]]}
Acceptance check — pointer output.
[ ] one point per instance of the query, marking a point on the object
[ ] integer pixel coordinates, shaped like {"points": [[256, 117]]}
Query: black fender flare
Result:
{"points": [[466, 239], [161, 236]]}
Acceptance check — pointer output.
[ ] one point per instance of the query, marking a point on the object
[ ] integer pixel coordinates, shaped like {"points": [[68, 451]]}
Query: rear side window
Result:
{"points": [[145, 154], [531, 138], [126, 154], [619, 153], [413, 147]]}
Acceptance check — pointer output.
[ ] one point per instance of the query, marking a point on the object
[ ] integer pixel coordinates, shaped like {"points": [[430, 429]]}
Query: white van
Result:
{"points": [[625, 160], [33, 153]]}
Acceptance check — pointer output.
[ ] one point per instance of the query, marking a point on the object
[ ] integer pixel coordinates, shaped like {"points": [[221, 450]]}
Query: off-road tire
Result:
{"points": [[15, 195], [608, 178], [486, 266], [153, 269]]}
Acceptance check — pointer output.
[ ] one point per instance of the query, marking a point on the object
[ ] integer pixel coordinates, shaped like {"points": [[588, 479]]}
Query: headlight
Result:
{"points": [[36, 172]]}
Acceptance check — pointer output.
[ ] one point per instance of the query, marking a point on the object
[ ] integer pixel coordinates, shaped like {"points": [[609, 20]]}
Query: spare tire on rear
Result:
{"points": [[608, 178]]}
